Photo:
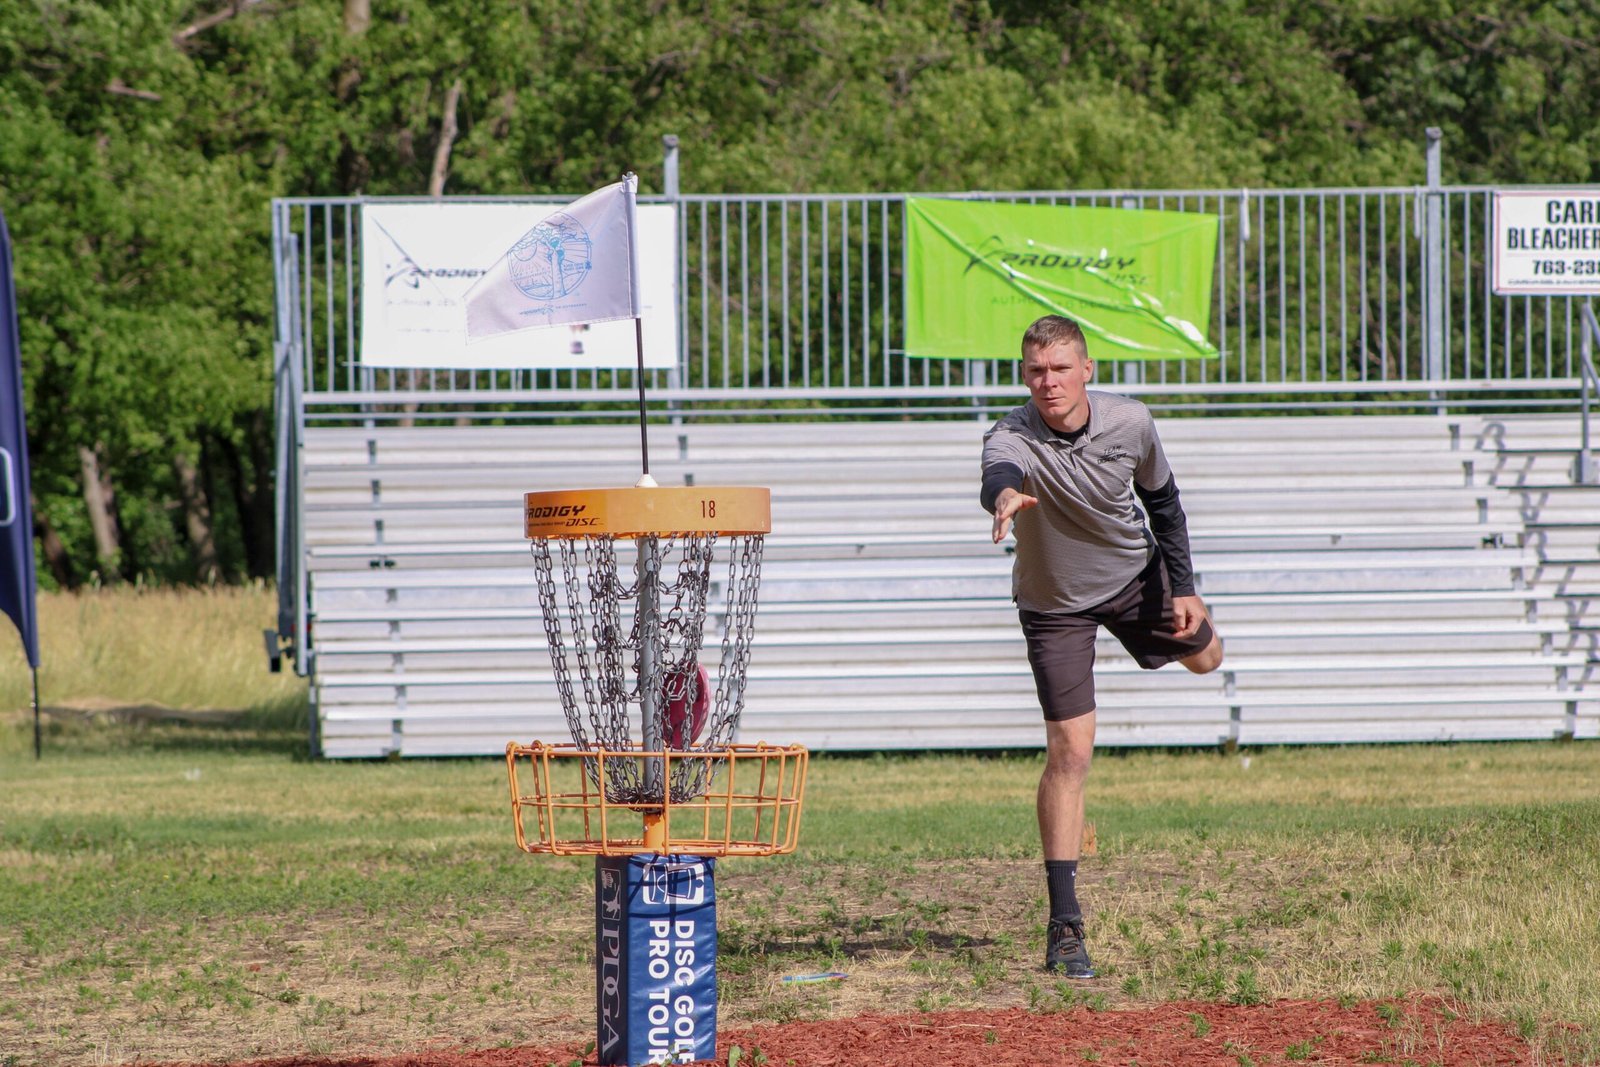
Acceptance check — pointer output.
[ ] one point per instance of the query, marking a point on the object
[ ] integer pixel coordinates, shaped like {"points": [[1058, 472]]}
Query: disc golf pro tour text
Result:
{"points": [[671, 1013]]}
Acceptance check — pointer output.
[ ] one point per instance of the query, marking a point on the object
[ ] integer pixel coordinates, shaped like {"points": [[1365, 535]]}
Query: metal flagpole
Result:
{"points": [[630, 191], [37, 750], [638, 345]]}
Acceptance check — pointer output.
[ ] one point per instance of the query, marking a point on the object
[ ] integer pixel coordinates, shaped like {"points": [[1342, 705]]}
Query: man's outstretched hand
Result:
{"points": [[1006, 507]]}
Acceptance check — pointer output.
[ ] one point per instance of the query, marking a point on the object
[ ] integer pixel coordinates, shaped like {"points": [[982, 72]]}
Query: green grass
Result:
{"points": [[193, 887], [1462, 870]]}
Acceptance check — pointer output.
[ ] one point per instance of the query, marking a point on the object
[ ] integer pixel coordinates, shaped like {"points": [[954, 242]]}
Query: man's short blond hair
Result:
{"points": [[1053, 330]]}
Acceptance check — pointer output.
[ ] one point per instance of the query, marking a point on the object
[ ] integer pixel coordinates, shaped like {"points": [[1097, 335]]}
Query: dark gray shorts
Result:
{"points": [[1061, 644]]}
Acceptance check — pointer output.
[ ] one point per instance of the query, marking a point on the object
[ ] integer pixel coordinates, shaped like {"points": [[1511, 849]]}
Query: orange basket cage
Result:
{"points": [[751, 806]]}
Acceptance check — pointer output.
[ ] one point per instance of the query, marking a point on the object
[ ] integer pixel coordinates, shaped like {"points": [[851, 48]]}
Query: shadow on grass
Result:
{"points": [[276, 727], [862, 939]]}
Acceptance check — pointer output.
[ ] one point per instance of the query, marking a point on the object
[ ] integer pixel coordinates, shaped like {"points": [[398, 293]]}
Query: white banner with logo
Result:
{"points": [[419, 260], [1547, 243]]}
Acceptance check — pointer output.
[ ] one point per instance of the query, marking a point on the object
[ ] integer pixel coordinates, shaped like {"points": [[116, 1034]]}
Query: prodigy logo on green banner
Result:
{"points": [[977, 273]]}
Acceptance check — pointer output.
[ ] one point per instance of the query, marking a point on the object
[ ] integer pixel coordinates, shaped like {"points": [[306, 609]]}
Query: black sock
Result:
{"points": [[1062, 878]]}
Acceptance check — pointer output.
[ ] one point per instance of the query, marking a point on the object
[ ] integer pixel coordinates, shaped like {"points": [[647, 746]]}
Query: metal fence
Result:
{"points": [[794, 302]]}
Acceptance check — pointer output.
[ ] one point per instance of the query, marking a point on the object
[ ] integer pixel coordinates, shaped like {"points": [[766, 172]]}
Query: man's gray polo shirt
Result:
{"points": [[1087, 538]]}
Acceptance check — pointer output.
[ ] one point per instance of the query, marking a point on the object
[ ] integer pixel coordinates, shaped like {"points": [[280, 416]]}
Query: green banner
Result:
{"points": [[977, 273]]}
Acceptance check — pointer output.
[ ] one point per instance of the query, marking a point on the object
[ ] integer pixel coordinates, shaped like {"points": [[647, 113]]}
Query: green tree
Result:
{"points": [[145, 139]]}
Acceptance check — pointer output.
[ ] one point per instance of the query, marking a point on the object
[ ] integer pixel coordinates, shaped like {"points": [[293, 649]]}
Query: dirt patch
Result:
{"points": [[1423, 1030]]}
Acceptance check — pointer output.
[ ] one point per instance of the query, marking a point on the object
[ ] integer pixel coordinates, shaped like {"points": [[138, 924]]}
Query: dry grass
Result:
{"points": [[130, 650]]}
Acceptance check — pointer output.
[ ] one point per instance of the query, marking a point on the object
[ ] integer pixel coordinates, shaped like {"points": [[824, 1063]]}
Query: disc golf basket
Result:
{"points": [[628, 579]]}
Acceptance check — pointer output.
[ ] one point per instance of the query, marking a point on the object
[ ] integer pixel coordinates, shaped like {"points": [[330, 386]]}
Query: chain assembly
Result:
{"points": [[633, 650]]}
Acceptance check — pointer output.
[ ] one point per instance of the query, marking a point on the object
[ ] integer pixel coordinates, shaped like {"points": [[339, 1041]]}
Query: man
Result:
{"points": [[1065, 469]]}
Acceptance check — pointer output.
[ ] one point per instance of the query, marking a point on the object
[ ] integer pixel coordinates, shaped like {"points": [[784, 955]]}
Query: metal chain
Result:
{"points": [[609, 713], [684, 627], [544, 570], [744, 581], [606, 649]]}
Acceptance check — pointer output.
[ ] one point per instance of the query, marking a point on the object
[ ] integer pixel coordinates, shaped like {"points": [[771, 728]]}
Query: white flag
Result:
{"points": [[577, 265]]}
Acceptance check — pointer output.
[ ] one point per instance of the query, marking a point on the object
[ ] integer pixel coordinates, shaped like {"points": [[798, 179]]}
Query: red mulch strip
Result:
{"points": [[1425, 1030]]}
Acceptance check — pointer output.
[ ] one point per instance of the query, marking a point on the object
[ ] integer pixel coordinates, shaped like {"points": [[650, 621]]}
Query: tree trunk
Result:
{"points": [[447, 139], [55, 553], [357, 17], [409, 408], [101, 501], [196, 518], [252, 491], [264, 514], [436, 179]]}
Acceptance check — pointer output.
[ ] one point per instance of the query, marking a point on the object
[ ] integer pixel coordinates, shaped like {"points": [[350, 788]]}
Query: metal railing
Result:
{"points": [[1584, 472], [795, 302], [1339, 299]]}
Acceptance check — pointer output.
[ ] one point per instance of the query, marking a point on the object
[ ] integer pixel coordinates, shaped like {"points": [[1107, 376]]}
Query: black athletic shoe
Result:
{"points": [[1064, 953]]}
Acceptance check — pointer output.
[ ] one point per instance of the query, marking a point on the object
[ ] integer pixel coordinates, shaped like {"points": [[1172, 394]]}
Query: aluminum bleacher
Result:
{"points": [[1375, 578]]}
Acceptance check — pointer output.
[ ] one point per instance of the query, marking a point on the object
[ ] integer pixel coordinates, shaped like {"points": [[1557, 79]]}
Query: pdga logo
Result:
{"points": [[552, 259]]}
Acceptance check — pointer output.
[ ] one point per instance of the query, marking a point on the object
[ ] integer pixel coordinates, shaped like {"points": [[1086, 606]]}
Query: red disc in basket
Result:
{"points": [[688, 693]]}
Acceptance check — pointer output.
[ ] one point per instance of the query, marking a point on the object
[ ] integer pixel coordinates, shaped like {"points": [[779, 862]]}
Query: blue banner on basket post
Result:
{"points": [[656, 941], [576, 265], [18, 585]]}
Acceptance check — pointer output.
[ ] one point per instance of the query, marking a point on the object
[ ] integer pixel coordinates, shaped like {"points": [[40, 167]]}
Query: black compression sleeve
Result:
{"points": [[996, 480], [1171, 530]]}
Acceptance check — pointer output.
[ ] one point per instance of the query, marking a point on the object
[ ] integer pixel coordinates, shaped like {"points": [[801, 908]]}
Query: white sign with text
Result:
{"points": [[1547, 243], [419, 260]]}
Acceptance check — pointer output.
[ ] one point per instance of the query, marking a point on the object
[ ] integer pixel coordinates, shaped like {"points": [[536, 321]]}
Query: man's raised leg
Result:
{"points": [[1207, 659]]}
